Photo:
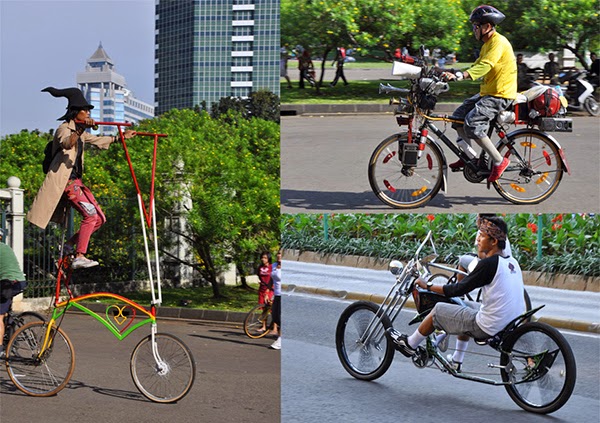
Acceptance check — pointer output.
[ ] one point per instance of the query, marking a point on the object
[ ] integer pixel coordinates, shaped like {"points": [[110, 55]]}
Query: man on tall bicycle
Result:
{"points": [[496, 64], [12, 283], [502, 300]]}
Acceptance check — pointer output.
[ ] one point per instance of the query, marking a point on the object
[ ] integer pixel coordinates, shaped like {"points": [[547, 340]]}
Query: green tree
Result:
{"points": [[231, 173]]}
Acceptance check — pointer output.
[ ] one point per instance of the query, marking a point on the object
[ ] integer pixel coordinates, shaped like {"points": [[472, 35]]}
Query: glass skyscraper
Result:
{"points": [[209, 49], [106, 90]]}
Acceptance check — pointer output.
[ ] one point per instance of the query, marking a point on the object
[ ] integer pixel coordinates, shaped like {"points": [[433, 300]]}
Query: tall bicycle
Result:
{"points": [[41, 358], [408, 169]]}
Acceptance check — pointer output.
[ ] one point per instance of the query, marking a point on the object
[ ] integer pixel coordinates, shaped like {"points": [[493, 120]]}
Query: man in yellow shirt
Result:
{"points": [[497, 65]]}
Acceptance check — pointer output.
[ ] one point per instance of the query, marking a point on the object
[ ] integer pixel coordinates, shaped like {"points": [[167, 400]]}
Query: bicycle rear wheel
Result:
{"points": [[258, 318], [45, 374], [172, 377], [535, 171], [402, 186], [540, 366]]}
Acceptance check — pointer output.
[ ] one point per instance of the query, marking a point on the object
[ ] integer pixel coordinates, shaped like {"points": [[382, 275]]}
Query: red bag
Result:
{"points": [[547, 104]]}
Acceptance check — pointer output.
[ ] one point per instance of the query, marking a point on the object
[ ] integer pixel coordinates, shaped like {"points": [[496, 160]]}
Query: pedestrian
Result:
{"points": [[12, 283], [340, 58], [63, 184], [496, 64], [283, 65], [524, 80], [305, 66], [551, 70], [276, 309], [265, 281]]}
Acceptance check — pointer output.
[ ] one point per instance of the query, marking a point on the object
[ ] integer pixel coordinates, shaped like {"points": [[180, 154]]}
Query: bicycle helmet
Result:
{"points": [[486, 14]]}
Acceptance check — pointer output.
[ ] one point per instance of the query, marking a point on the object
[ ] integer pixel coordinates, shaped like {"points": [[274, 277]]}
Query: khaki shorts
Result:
{"points": [[458, 320]]}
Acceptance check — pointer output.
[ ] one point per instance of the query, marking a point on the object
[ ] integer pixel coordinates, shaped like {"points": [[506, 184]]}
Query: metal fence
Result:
{"points": [[115, 245]]}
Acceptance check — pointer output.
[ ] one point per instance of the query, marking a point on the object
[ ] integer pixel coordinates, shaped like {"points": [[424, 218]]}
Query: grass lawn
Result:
{"points": [[366, 92], [235, 298]]}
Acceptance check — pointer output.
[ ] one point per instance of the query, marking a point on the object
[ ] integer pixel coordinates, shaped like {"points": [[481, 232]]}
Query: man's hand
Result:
{"points": [[129, 133]]}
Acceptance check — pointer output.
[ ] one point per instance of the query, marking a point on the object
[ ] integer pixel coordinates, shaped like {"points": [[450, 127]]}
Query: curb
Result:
{"points": [[353, 108], [574, 325]]}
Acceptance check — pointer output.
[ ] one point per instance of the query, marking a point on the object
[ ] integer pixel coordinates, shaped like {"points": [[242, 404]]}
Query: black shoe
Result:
{"points": [[401, 342]]}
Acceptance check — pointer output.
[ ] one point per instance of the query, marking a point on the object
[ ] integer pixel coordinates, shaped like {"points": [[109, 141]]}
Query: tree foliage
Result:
{"points": [[374, 26], [260, 104]]}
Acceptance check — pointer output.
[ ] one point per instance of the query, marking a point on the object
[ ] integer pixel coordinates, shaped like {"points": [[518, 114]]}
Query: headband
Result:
{"points": [[492, 230]]}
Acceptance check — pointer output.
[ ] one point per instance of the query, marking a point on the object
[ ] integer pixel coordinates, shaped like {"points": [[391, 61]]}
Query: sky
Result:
{"points": [[47, 42]]}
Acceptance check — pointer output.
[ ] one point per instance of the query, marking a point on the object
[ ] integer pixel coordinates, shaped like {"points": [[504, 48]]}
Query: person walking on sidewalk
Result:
{"points": [[64, 181], [501, 281], [340, 58], [305, 66], [276, 309], [496, 64]]}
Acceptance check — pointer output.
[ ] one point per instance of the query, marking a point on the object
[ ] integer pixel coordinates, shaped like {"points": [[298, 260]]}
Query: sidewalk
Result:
{"points": [[565, 309]]}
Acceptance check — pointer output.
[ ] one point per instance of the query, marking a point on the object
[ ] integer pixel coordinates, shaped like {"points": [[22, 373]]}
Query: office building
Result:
{"points": [[209, 49], [107, 91]]}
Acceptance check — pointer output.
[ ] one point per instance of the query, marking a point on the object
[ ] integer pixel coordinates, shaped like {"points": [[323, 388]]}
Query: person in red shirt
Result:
{"points": [[265, 289]]}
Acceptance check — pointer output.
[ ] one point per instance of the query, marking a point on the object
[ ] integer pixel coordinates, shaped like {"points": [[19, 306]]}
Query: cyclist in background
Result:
{"points": [[12, 283]]}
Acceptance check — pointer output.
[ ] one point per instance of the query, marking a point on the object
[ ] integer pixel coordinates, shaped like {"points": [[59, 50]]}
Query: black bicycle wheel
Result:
{"points": [[16, 320], [540, 366], [365, 355], [40, 374], [258, 321], [167, 379], [401, 186], [535, 171]]}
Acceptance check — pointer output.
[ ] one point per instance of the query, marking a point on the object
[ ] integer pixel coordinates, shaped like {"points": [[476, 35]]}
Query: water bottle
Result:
{"points": [[464, 146]]}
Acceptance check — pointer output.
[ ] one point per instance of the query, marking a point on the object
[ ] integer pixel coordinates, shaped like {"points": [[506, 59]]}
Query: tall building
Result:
{"points": [[209, 49], [107, 91]]}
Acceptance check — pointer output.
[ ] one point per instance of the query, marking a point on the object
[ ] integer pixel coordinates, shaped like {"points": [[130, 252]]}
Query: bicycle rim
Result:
{"points": [[366, 360], [549, 389], [535, 171], [258, 318], [36, 375], [168, 381], [401, 186]]}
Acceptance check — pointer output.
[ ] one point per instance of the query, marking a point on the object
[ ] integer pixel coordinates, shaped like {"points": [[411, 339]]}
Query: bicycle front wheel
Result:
{"points": [[37, 373], [167, 379], [362, 347], [258, 321], [399, 185], [540, 367], [535, 171]]}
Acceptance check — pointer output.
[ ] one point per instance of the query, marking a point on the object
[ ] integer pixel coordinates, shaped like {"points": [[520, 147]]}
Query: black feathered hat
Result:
{"points": [[76, 99]]}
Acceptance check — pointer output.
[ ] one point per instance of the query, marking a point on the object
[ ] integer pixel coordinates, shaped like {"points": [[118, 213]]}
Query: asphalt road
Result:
{"points": [[324, 161], [237, 379], [315, 387]]}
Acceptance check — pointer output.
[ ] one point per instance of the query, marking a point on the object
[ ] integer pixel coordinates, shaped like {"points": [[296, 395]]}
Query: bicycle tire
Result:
{"points": [[553, 379], [535, 171], [371, 360], [253, 322], [404, 187], [35, 375], [168, 383]]}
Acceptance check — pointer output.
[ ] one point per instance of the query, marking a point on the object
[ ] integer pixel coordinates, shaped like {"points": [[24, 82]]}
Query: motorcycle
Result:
{"points": [[535, 362], [579, 92]]}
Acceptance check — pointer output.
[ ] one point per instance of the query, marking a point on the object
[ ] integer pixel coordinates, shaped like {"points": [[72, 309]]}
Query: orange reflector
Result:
{"points": [[418, 192], [517, 188], [528, 144], [542, 178]]}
